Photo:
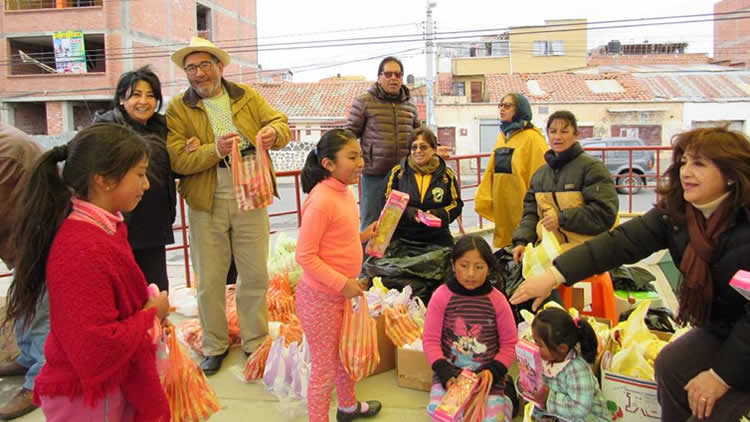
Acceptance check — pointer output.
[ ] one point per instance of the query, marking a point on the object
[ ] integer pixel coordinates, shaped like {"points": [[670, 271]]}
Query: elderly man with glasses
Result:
{"points": [[214, 112], [383, 118]]}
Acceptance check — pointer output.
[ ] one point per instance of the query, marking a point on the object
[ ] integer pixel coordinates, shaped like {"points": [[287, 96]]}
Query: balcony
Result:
{"points": [[39, 55], [13, 5]]}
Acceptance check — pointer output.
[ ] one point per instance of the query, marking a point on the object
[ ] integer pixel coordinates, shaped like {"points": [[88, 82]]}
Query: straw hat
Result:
{"points": [[198, 44]]}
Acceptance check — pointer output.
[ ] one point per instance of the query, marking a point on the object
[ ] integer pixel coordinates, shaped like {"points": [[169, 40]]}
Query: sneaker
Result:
{"points": [[374, 408], [12, 369], [18, 406], [211, 364]]}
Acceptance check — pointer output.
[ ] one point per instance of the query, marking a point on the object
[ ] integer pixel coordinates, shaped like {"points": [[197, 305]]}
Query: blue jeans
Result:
{"points": [[373, 198], [31, 341]]}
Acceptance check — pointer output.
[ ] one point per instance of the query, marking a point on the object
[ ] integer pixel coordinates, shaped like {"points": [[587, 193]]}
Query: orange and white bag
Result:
{"points": [[400, 327], [251, 177], [358, 348]]}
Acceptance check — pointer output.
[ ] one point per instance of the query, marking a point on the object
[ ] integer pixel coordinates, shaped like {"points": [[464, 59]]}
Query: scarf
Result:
{"points": [[521, 118], [697, 289], [427, 168]]}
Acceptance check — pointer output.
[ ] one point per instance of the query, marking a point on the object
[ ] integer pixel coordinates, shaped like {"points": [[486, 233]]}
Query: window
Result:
{"points": [[203, 21], [49, 4], [500, 48], [548, 48], [459, 89], [36, 55]]}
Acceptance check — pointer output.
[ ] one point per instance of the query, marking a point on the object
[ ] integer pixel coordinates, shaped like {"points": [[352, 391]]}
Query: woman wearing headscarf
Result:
{"points": [[518, 153]]}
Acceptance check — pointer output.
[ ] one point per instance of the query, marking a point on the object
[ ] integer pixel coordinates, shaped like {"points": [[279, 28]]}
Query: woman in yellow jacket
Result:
{"points": [[518, 153]]}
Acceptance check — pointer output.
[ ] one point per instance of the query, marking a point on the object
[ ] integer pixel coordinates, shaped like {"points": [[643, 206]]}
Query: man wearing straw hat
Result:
{"points": [[214, 112]]}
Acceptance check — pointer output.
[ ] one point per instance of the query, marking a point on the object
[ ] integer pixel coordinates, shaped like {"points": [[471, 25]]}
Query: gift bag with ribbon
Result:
{"points": [[400, 327], [358, 348], [251, 177], [537, 259]]}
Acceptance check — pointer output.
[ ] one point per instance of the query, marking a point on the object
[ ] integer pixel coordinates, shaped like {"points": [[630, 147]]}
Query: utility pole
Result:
{"points": [[429, 78]]}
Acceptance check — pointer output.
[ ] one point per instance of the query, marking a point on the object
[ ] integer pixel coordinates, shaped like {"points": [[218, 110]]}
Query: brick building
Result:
{"points": [[732, 36], [118, 35]]}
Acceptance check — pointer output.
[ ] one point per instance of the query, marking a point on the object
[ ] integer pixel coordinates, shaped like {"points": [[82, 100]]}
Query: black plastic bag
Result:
{"points": [[659, 319], [423, 266], [632, 279]]}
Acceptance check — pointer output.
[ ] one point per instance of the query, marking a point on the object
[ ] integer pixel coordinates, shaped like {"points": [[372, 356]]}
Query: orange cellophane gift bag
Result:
{"points": [[190, 397], [251, 177], [475, 408], [256, 363], [400, 327], [358, 349], [279, 298]]}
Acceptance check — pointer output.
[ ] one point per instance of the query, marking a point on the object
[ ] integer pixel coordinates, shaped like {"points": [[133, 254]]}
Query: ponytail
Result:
{"points": [[105, 149], [555, 326], [328, 146], [588, 340], [45, 203]]}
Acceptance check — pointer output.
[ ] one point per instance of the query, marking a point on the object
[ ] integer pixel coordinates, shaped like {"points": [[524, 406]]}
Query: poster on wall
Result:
{"points": [[70, 52]]}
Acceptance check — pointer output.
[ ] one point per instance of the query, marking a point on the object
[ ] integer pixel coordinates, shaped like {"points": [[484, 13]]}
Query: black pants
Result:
{"points": [[153, 263], [678, 363]]}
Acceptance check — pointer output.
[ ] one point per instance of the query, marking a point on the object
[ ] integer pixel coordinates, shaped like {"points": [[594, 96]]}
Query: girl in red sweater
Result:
{"points": [[329, 250], [100, 361]]}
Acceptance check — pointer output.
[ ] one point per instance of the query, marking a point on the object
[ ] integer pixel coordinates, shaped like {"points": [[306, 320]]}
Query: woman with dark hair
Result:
{"points": [[136, 103], [415, 247], [432, 189], [572, 196], [518, 153], [703, 218]]}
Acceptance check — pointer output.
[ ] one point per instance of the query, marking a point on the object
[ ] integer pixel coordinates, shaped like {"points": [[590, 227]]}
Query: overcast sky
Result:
{"points": [[280, 20]]}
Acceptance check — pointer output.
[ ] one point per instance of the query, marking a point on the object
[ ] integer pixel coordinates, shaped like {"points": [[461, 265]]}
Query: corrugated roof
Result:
{"points": [[697, 86]]}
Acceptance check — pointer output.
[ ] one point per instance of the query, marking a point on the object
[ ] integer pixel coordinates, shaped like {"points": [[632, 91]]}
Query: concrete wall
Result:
{"points": [[522, 40], [717, 112]]}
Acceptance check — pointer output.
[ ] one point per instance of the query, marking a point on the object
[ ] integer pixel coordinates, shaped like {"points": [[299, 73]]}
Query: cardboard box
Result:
{"points": [[413, 370], [635, 397], [385, 347]]}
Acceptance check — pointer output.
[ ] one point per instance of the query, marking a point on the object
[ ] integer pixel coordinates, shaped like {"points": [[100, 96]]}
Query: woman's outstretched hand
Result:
{"points": [[537, 288]]}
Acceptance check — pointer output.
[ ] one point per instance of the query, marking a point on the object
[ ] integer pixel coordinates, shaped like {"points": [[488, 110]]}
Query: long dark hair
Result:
{"points": [[329, 145], [105, 149], [555, 326], [728, 150], [126, 85]]}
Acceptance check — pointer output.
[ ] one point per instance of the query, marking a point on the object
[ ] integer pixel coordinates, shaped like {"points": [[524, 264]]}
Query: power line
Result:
{"points": [[386, 39]]}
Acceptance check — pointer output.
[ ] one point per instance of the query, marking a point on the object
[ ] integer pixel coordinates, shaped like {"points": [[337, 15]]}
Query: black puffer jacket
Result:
{"points": [[640, 237], [443, 198], [383, 127], [579, 188], [150, 223]]}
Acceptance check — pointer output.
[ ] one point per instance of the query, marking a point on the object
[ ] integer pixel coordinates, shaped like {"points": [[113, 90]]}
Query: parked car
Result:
{"points": [[618, 162]]}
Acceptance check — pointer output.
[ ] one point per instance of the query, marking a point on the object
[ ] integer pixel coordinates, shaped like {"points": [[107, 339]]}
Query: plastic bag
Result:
{"points": [[192, 333], [287, 371], [279, 298], [537, 259], [400, 327], [283, 259], [387, 223], [190, 397], [475, 408], [358, 348], [256, 362], [251, 177]]}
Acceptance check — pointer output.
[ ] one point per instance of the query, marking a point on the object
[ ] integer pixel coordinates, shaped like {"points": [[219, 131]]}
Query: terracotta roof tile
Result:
{"points": [[312, 99], [691, 58], [565, 87]]}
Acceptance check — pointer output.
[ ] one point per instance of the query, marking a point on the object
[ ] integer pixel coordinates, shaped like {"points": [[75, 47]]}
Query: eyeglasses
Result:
{"points": [[389, 75], [506, 105], [420, 147], [204, 66]]}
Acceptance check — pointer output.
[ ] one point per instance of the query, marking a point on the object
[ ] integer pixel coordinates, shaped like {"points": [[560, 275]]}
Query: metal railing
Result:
{"points": [[471, 161]]}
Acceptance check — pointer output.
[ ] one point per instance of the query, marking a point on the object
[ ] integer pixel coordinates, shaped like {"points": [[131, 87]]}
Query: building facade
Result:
{"points": [[41, 94]]}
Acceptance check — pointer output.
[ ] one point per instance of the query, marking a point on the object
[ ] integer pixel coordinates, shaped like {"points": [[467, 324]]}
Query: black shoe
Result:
{"points": [[374, 408], [211, 364]]}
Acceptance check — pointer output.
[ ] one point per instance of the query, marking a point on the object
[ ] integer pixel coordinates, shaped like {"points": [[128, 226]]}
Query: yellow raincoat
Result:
{"points": [[506, 179]]}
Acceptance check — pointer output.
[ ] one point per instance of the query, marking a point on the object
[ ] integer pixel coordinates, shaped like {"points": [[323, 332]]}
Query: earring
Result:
{"points": [[730, 183]]}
